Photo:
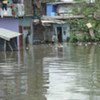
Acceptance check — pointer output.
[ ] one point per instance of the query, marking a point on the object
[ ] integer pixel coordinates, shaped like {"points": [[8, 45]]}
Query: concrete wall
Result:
{"points": [[9, 23], [26, 24]]}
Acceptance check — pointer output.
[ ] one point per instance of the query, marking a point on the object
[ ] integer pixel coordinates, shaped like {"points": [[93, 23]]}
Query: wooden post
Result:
{"points": [[32, 31], [91, 32], [5, 46]]}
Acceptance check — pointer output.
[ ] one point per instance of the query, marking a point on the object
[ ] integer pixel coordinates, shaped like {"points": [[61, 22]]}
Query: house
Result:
{"points": [[25, 22], [9, 19], [55, 17], [51, 20], [58, 13], [17, 16]]}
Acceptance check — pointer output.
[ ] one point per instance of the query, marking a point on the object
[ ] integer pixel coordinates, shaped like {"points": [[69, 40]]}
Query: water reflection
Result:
{"points": [[73, 76], [10, 75], [46, 72]]}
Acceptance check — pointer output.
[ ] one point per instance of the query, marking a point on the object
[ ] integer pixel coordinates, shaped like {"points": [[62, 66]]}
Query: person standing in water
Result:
{"points": [[27, 40], [59, 40]]}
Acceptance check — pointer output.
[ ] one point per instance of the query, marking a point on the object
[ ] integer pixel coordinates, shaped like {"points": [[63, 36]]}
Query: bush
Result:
{"points": [[86, 38], [73, 37]]}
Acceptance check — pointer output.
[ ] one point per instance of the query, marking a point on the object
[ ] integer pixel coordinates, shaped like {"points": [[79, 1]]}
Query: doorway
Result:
{"points": [[59, 34]]}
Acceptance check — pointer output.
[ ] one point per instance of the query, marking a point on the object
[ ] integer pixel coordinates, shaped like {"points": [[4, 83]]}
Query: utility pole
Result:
{"points": [[33, 15], [36, 7]]}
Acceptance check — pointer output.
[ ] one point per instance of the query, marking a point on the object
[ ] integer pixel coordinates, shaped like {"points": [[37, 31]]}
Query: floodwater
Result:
{"points": [[46, 72]]}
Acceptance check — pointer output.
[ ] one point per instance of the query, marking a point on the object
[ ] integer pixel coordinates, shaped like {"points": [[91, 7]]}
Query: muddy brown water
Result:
{"points": [[46, 72]]}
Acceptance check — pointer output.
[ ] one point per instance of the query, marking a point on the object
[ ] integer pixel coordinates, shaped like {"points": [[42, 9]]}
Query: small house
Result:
{"points": [[9, 19]]}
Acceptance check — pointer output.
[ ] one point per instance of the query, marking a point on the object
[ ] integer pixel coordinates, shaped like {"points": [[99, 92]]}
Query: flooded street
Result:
{"points": [[46, 72]]}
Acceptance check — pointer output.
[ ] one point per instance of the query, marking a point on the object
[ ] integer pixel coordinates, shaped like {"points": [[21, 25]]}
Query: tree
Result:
{"points": [[91, 12]]}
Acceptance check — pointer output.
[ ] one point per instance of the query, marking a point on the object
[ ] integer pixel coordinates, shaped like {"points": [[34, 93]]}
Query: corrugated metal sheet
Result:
{"points": [[8, 34]]}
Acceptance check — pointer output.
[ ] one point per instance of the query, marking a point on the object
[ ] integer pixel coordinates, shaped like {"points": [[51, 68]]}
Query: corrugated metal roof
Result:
{"points": [[53, 21], [62, 17], [50, 21], [8, 34]]}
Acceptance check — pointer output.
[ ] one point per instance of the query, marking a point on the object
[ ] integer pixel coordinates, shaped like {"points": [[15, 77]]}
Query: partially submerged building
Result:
{"points": [[55, 17], [9, 19], [54, 20], [46, 21]]}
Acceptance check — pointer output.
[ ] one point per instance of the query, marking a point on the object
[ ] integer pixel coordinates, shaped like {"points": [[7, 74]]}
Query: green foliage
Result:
{"points": [[79, 0], [88, 11], [97, 27], [97, 37], [86, 37], [78, 25], [73, 37]]}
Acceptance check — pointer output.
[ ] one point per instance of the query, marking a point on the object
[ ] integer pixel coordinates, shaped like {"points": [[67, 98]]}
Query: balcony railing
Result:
{"points": [[14, 10]]}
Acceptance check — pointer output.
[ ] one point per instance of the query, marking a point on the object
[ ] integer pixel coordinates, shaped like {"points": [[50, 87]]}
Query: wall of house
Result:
{"points": [[26, 23], [9, 23], [48, 33], [38, 32], [64, 10], [65, 29], [66, 32], [59, 9], [52, 32], [50, 10]]}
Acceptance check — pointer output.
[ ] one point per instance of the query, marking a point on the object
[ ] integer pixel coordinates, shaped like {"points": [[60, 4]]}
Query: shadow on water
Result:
{"points": [[46, 72]]}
